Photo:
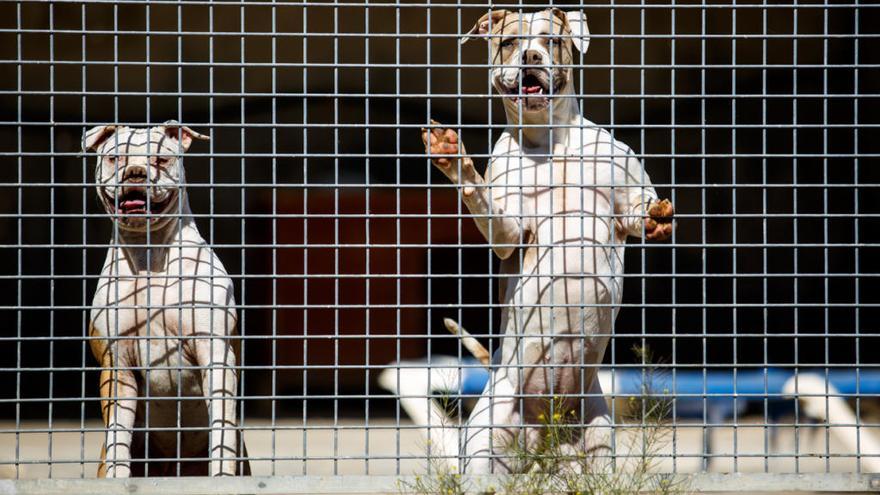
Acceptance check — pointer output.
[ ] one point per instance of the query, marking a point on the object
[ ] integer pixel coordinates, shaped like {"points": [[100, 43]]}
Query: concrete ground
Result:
{"points": [[350, 447]]}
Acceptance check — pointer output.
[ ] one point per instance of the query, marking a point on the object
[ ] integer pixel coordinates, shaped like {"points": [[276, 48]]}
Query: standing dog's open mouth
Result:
{"points": [[534, 88]]}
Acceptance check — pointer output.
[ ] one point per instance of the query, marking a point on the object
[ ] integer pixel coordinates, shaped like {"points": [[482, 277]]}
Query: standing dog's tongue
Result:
{"points": [[531, 89]]}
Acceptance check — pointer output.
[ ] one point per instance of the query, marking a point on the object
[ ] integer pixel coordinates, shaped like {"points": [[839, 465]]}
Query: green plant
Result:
{"points": [[441, 481]]}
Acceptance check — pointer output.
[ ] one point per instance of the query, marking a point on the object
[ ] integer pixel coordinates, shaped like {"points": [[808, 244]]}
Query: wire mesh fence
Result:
{"points": [[287, 307]]}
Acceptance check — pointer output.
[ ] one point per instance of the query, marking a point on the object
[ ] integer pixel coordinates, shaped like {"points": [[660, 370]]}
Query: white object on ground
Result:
{"points": [[414, 382], [821, 401]]}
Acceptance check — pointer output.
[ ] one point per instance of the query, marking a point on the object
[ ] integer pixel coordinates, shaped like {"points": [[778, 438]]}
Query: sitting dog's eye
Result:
{"points": [[507, 43], [162, 160]]}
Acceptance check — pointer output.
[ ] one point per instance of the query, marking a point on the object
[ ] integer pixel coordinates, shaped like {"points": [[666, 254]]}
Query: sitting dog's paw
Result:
{"points": [[440, 141], [659, 224]]}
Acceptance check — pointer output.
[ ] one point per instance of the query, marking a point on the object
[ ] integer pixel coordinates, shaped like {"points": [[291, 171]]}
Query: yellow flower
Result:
{"points": [[541, 417], [557, 417]]}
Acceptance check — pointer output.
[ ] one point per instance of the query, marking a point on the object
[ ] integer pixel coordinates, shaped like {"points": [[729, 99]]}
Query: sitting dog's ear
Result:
{"points": [[484, 24], [580, 33], [181, 133], [93, 137]]}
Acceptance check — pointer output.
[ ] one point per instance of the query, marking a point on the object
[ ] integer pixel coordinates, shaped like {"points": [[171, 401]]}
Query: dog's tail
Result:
{"points": [[468, 341]]}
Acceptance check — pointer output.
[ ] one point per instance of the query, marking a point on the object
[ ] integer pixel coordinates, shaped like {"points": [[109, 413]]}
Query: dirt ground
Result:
{"points": [[384, 448]]}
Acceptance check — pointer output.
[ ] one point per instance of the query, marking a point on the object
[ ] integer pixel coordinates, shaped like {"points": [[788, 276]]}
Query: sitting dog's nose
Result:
{"points": [[135, 175], [531, 57]]}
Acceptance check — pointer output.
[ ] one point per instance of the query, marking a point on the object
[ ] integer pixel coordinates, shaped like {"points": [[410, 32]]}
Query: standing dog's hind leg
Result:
{"points": [[598, 436], [491, 427]]}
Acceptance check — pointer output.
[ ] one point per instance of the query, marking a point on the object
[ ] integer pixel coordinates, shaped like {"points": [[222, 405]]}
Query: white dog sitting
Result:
{"points": [[163, 322], [559, 199]]}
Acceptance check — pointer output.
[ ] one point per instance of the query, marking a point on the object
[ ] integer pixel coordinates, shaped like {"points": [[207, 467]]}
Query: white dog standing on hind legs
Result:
{"points": [[163, 321], [559, 198]]}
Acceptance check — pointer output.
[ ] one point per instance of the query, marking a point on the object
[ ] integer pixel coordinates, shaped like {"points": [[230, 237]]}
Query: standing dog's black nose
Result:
{"points": [[531, 57]]}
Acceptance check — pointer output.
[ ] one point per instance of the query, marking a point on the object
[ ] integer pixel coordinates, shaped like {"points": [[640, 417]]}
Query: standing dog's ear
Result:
{"points": [[484, 24], [580, 33], [93, 137], [182, 134]]}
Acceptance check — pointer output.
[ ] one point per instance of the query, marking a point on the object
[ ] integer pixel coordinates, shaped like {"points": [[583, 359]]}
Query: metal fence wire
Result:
{"points": [[288, 307]]}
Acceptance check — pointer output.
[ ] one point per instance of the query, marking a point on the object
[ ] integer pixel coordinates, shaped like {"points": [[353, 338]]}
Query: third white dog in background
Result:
{"points": [[559, 198]]}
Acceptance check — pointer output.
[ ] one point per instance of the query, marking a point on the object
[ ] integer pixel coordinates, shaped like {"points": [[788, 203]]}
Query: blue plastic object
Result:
{"points": [[715, 394], [474, 379], [747, 384]]}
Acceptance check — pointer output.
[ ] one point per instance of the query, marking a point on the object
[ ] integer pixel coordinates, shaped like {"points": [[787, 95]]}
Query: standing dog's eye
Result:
{"points": [[507, 43], [553, 39], [162, 160]]}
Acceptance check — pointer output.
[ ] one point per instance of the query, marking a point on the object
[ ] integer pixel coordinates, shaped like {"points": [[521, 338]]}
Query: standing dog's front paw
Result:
{"points": [[659, 224], [448, 154], [441, 141]]}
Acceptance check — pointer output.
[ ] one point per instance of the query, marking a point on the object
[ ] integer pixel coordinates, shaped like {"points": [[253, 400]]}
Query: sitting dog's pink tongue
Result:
{"points": [[133, 204], [531, 89]]}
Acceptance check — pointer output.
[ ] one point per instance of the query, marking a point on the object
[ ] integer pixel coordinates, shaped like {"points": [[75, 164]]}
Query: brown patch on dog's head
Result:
{"points": [[503, 30], [493, 22]]}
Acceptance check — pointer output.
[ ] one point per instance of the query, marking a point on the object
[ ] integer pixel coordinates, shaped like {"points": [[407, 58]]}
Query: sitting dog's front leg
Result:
{"points": [[119, 403], [220, 383], [503, 232]]}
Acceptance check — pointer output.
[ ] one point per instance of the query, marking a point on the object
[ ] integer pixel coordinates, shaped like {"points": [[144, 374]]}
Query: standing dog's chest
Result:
{"points": [[561, 200]]}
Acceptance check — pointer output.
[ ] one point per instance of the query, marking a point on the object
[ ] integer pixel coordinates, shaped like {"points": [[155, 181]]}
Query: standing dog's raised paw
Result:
{"points": [[447, 151], [440, 141], [659, 224]]}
